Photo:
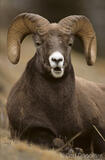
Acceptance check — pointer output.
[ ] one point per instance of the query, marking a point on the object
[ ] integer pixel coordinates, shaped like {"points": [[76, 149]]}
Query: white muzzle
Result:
{"points": [[56, 61]]}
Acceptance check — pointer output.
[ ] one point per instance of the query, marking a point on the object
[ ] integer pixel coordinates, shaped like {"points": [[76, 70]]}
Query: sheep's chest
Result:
{"points": [[56, 103]]}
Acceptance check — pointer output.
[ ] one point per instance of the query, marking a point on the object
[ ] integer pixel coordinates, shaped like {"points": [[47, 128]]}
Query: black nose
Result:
{"points": [[57, 60]]}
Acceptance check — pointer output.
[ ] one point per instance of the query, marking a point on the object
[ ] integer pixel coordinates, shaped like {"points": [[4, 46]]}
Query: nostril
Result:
{"points": [[57, 60], [53, 59], [60, 59]]}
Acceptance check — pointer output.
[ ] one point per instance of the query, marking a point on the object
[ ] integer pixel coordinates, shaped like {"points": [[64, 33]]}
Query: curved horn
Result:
{"points": [[81, 26], [22, 25]]}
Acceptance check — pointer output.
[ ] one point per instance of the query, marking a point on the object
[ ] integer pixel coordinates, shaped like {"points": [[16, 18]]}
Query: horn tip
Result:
{"points": [[90, 61], [13, 59]]}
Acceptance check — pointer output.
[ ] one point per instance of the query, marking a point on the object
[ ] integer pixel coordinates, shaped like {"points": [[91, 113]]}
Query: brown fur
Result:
{"points": [[41, 107]]}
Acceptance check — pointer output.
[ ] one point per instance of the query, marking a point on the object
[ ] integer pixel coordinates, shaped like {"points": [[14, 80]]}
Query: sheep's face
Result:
{"points": [[54, 51]]}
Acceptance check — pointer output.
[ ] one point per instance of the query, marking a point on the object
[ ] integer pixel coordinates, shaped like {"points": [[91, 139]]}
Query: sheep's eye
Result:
{"points": [[38, 43], [37, 40], [71, 40], [70, 44]]}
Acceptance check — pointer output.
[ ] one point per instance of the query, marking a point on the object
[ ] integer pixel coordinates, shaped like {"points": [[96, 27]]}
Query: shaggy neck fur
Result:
{"points": [[53, 95]]}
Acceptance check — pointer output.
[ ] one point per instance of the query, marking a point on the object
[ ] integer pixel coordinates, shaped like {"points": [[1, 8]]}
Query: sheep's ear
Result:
{"points": [[81, 26], [23, 24]]}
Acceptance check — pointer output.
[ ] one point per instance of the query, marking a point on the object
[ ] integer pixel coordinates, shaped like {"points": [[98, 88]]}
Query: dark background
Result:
{"points": [[54, 10]]}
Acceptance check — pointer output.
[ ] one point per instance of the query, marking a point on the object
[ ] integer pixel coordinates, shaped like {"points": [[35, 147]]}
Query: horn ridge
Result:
{"points": [[22, 25], [82, 27]]}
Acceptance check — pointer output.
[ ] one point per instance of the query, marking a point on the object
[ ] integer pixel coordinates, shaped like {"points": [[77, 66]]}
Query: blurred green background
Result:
{"points": [[53, 10]]}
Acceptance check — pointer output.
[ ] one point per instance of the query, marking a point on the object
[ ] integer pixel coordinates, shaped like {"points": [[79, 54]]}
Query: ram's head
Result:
{"points": [[53, 41]]}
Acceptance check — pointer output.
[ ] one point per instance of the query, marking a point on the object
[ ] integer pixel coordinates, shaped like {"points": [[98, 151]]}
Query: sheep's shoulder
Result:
{"points": [[91, 98], [89, 87]]}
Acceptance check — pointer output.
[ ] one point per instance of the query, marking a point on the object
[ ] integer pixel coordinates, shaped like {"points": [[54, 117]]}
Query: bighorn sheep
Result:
{"points": [[49, 100]]}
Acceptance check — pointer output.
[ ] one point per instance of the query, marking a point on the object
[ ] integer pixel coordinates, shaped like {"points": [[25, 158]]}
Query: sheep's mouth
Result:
{"points": [[57, 69], [57, 72]]}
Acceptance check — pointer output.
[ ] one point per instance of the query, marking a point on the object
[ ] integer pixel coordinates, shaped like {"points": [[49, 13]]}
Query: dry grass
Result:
{"points": [[16, 150]]}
